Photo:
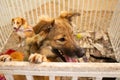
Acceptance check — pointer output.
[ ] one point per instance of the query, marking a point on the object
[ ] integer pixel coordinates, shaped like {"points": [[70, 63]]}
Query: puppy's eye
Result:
{"points": [[17, 22], [61, 39]]}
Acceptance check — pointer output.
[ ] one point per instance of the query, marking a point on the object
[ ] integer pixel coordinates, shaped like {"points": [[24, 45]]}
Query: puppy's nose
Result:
{"points": [[15, 28], [80, 52], [83, 51]]}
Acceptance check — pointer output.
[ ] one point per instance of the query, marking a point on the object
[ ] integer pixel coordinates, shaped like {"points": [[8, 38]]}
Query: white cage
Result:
{"points": [[95, 15]]}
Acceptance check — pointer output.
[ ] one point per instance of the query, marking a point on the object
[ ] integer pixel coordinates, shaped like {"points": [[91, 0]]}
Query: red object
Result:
{"points": [[2, 77], [9, 51]]}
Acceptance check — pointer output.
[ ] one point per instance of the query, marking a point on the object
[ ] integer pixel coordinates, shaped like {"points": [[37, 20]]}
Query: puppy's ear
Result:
{"points": [[45, 24], [23, 21], [69, 15], [12, 21]]}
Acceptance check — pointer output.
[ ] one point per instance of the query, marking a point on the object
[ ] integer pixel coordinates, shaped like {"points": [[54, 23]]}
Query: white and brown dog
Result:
{"points": [[22, 29]]}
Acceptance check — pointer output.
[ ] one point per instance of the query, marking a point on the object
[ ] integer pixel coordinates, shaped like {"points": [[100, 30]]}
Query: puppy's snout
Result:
{"points": [[83, 51], [14, 28], [80, 52]]}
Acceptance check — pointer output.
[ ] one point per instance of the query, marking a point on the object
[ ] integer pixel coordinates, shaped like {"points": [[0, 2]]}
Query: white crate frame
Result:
{"points": [[53, 69], [9, 9]]}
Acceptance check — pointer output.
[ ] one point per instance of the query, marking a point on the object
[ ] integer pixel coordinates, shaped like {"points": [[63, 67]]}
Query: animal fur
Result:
{"points": [[54, 38], [22, 29]]}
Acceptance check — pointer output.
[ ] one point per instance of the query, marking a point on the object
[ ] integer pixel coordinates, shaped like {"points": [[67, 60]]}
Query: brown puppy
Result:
{"points": [[22, 29], [54, 38]]}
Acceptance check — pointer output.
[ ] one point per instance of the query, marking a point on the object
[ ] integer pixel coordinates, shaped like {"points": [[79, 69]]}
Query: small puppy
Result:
{"points": [[22, 29]]}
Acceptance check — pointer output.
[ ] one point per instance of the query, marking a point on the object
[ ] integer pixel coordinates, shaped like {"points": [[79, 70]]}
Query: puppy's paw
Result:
{"points": [[5, 58], [37, 58], [22, 44], [19, 45]]}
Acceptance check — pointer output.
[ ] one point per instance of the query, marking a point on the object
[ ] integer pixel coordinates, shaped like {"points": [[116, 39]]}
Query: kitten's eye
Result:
{"points": [[61, 39]]}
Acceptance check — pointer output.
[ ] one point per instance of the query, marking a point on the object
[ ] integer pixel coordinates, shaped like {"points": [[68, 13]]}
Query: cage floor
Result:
{"points": [[13, 44]]}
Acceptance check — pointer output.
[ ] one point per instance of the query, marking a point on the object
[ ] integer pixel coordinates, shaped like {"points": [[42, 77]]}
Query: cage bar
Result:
{"points": [[52, 77], [73, 5], [68, 5], [63, 5], [29, 77], [94, 22], [90, 20], [32, 12], [36, 2], [22, 8], [45, 7], [114, 32], [78, 3], [9, 77], [85, 25], [13, 8], [54, 8], [59, 6], [81, 20], [49, 8], [5, 21], [41, 12], [27, 11]]}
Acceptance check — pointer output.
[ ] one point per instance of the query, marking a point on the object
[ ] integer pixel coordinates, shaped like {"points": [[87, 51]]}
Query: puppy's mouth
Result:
{"points": [[64, 57], [16, 29], [69, 59]]}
